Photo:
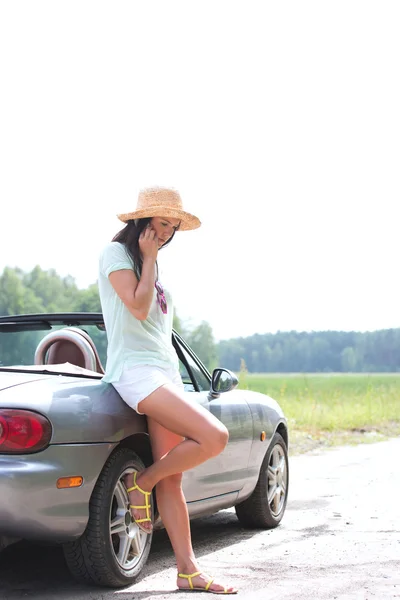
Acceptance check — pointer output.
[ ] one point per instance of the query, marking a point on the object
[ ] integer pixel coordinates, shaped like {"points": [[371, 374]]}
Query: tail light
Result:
{"points": [[23, 431]]}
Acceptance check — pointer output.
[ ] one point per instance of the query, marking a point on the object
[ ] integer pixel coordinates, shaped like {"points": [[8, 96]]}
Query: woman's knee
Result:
{"points": [[217, 440]]}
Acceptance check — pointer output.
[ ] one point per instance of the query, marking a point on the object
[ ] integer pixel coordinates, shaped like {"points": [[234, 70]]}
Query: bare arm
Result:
{"points": [[137, 295]]}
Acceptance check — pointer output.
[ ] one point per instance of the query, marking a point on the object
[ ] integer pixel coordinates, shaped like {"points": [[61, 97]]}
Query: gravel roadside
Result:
{"points": [[339, 540]]}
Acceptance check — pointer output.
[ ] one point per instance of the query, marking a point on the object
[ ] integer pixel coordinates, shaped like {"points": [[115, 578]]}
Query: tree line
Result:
{"points": [[314, 352], [285, 352]]}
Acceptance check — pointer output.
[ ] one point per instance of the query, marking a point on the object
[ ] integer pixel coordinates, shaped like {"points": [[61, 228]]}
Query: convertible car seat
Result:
{"points": [[69, 345]]}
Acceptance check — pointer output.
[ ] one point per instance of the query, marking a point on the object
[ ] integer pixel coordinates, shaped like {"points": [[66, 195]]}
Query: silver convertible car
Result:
{"points": [[67, 441]]}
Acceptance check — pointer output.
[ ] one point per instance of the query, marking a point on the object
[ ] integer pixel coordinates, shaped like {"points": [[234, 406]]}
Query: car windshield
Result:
{"points": [[18, 348]]}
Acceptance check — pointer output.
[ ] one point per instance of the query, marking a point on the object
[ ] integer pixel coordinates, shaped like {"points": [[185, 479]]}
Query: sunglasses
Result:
{"points": [[161, 297]]}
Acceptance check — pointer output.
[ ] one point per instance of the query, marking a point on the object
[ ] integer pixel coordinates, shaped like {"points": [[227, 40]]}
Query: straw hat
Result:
{"points": [[161, 202]]}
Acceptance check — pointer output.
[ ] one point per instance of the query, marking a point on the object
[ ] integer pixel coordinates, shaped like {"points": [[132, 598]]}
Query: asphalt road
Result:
{"points": [[339, 540]]}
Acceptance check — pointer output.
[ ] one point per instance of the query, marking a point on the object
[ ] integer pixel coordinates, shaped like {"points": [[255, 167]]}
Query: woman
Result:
{"points": [[143, 366]]}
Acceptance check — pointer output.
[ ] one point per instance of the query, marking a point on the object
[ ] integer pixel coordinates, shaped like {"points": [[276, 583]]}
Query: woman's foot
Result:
{"points": [[201, 582], [138, 498]]}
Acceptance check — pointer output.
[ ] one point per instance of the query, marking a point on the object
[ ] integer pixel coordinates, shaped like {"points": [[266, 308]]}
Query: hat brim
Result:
{"points": [[187, 220]]}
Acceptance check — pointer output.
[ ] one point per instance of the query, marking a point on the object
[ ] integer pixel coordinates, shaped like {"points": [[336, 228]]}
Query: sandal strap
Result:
{"points": [[189, 577], [136, 487], [147, 506], [207, 587], [210, 582]]}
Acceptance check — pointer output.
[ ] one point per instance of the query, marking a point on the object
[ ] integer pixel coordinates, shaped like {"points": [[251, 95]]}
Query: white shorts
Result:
{"points": [[136, 383]]}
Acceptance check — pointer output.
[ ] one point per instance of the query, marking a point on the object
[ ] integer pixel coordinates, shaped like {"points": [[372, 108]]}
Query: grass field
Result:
{"points": [[332, 409]]}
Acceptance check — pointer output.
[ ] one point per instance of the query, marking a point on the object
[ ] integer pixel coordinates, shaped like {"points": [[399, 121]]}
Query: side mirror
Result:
{"points": [[222, 381]]}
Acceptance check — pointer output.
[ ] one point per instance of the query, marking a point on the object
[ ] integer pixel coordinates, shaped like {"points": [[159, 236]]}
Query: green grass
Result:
{"points": [[333, 408]]}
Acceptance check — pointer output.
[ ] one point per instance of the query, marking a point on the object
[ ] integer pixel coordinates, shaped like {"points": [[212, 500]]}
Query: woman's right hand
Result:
{"points": [[148, 243]]}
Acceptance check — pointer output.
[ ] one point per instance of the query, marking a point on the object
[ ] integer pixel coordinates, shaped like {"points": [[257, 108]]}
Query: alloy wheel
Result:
{"points": [[277, 480]]}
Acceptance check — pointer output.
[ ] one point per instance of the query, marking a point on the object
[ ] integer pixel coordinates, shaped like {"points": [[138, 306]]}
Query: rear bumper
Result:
{"points": [[31, 506]]}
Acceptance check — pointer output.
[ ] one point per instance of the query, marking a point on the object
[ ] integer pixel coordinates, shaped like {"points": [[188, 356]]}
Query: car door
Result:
{"points": [[227, 472]]}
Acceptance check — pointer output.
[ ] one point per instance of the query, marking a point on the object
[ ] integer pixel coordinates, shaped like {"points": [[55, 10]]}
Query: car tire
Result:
{"points": [[265, 507], [113, 550]]}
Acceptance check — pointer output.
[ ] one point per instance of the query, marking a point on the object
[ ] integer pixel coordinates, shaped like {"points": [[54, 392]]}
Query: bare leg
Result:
{"points": [[205, 435], [173, 509]]}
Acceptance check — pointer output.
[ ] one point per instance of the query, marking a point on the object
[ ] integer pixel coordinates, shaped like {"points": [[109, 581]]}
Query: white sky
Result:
{"points": [[278, 122]]}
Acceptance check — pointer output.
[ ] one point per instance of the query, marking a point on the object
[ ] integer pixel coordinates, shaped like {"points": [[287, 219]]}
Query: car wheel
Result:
{"points": [[266, 505], [113, 550]]}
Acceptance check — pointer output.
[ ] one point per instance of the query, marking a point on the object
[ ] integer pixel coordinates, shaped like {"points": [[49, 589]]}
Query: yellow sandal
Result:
{"points": [[202, 589], [147, 506]]}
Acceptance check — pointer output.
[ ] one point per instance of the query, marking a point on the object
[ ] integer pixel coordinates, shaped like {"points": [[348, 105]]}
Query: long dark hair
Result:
{"points": [[129, 236]]}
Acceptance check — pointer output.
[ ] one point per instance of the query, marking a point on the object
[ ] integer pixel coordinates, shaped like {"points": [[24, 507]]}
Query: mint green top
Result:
{"points": [[131, 341]]}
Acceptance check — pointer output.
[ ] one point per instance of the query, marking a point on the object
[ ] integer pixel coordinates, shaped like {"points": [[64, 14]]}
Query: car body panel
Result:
{"points": [[31, 506], [226, 472], [80, 411], [267, 417], [11, 379]]}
